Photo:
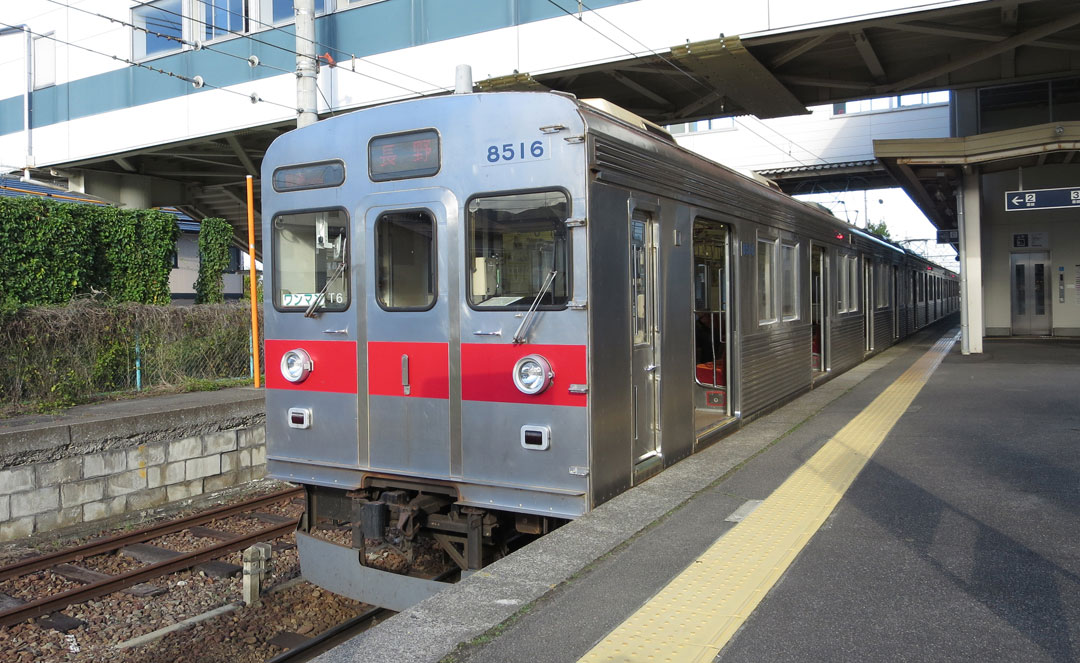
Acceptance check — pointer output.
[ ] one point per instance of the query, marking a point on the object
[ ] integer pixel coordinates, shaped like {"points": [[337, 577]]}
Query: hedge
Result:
{"points": [[214, 237], [51, 252]]}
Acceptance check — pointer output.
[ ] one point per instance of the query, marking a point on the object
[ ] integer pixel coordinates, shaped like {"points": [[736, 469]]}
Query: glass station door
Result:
{"points": [[1030, 294]]}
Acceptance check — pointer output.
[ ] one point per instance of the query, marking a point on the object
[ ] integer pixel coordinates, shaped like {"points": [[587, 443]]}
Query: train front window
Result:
{"points": [[311, 261], [515, 244]]}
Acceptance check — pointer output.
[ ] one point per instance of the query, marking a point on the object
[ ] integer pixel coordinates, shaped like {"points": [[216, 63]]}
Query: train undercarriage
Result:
{"points": [[387, 543]]}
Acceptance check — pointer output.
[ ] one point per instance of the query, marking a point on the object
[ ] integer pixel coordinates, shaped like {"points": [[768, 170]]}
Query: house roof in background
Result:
{"points": [[15, 187]]}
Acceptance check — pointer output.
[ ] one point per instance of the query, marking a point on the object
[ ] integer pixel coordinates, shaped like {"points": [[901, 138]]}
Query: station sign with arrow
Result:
{"points": [[1042, 199]]}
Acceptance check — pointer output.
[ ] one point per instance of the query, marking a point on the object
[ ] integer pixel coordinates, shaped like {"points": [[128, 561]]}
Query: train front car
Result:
{"points": [[425, 354]]}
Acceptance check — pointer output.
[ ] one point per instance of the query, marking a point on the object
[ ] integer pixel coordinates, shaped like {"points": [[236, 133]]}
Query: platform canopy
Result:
{"points": [[779, 73], [931, 170]]}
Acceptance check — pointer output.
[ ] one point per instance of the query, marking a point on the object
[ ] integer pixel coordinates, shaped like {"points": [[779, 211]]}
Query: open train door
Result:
{"points": [[645, 332], [712, 325]]}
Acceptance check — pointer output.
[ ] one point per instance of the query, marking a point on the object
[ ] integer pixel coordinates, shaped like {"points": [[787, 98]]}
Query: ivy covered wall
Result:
{"points": [[50, 252]]}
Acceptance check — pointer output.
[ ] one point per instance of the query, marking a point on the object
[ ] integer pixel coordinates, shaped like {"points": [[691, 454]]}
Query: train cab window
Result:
{"points": [[766, 281], [405, 261], [789, 281], [518, 248], [311, 260]]}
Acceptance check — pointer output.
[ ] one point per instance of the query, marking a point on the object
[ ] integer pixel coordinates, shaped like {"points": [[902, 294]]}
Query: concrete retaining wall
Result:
{"points": [[116, 458]]}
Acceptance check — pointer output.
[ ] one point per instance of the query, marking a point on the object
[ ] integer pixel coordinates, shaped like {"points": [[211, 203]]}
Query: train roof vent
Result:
{"points": [[621, 113]]}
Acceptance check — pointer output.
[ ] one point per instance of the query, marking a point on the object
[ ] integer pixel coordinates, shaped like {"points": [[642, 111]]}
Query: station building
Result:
{"points": [[966, 104]]}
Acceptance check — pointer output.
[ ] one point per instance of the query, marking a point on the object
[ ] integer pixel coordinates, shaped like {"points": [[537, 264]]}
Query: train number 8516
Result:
{"points": [[520, 151]]}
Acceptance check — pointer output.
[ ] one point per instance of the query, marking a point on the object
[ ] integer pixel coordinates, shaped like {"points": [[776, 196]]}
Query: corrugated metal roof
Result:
{"points": [[13, 187], [186, 223], [821, 167]]}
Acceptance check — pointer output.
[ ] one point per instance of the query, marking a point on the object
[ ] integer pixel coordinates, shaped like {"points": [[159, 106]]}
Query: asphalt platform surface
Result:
{"points": [[959, 541]]}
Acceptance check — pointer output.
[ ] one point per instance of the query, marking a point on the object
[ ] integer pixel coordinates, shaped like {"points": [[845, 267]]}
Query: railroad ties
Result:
{"points": [[156, 560]]}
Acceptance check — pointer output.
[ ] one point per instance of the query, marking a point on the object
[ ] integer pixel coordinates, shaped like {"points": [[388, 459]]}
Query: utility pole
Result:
{"points": [[306, 69]]}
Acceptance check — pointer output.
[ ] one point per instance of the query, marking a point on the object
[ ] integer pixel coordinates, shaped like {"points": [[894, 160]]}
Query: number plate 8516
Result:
{"points": [[515, 152]]}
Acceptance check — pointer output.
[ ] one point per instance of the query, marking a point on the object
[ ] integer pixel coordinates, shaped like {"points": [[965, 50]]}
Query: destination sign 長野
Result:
{"points": [[1042, 199], [401, 156]]}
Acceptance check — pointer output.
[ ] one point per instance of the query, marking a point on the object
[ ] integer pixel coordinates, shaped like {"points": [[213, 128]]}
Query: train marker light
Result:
{"points": [[296, 365], [532, 374]]}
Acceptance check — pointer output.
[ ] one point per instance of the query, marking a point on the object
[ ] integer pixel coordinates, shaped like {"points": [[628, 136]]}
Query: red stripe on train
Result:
{"points": [[428, 369], [487, 373], [333, 365]]}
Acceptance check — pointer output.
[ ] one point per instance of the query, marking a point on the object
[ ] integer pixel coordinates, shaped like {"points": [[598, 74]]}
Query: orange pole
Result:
{"points": [[254, 288]]}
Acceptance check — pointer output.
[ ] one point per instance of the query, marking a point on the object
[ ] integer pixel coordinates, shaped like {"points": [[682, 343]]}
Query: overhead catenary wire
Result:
{"points": [[594, 29], [180, 40], [197, 81], [287, 50], [684, 72], [669, 62], [321, 45]]}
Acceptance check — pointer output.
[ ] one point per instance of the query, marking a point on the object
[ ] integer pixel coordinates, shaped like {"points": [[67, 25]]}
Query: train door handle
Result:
{"points": [[405, 374], [651, 367]]}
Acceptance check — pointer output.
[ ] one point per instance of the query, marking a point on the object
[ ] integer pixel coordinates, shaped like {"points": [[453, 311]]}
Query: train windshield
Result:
{"points": [[311, 259], [515, 243]]}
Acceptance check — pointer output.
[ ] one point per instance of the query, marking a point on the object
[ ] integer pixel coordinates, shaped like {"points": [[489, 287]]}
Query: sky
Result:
{"points": [[906, 223]]}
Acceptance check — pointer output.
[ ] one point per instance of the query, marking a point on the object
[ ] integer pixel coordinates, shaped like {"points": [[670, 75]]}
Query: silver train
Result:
{"points": [[487, 314]]}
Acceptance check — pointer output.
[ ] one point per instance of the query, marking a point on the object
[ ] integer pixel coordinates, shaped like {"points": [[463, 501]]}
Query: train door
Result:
{"points": [[1030, 294], [868, 302], [913, 301], [712, 324], [819, 309], [408, 343], [895, 302], [645, 332]]}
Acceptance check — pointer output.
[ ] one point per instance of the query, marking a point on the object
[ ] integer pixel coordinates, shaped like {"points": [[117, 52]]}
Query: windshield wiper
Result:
{"points": [[310, 312], [519, 335]]}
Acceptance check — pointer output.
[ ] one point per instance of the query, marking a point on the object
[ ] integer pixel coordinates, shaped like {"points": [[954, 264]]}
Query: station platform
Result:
{"points": [[921, 506]]}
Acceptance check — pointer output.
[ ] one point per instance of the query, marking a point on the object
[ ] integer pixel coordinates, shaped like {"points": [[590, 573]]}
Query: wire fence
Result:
{"points": [[58, 356]]}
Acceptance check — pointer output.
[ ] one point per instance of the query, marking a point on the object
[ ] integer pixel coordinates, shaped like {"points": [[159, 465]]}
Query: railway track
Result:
{"points": [[312, 647], [308, 648], [14, 611]]}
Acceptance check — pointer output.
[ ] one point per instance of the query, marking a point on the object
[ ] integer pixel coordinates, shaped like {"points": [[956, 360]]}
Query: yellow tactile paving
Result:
{"points": [[695, 615]]}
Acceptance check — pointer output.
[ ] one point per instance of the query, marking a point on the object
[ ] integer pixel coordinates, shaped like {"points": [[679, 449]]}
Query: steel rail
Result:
{"points": [[328, 639], [99, 546], [107, 586], [337, 634]]}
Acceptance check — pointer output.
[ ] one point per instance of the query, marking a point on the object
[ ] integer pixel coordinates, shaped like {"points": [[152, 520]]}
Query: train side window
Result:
{"points": [[848, 278], [842, 302], [766, 281], [311, 260], [853, 282], [405, 261], [789, 281], [881, 285], [518, 248]]}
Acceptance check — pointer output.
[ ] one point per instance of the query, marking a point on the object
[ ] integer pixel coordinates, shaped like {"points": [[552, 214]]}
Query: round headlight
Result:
{"points": [[532, 374], [296, 365]]}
